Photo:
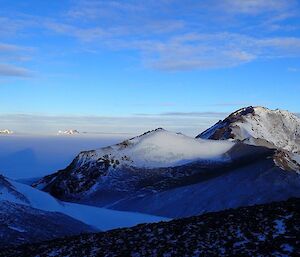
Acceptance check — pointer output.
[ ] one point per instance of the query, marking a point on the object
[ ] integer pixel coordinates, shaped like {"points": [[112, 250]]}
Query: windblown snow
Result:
{"points": [[161, 148]]}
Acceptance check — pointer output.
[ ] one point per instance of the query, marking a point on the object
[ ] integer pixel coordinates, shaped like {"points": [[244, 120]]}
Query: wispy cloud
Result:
{"points": [[10, 27], [83, 34], [91, 9], [14, 71], [167, 40], [232, 104], [254, 7], [188, 114], [11, 54], [293, 69], [185, 45], [218, 50], [9, 48]]}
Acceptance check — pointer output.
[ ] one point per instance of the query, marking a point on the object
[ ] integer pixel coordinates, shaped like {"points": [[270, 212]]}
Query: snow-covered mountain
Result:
{"points": [[153, 161], [259, 126], [169, 174], [68, 132], [158, 148], [263, 230], [252, 157], [6, 132]]}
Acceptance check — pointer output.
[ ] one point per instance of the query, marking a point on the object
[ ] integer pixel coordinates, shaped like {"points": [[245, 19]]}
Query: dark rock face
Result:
{"points": [[21, 224], [261, 230], [73, 180]]}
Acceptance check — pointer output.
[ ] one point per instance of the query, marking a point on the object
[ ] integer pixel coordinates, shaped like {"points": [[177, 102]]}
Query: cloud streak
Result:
{"points": [[218, 50], [219, 115], [9, 53], [190, 124], [14, 71], [166, 40], [183, 45], [255, 7]]}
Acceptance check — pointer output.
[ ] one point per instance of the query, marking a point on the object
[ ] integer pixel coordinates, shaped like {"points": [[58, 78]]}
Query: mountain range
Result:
{"points": [[251, 157]]}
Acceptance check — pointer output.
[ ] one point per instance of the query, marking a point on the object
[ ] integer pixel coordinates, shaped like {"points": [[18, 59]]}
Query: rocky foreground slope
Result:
{"points": [[271, 229]]}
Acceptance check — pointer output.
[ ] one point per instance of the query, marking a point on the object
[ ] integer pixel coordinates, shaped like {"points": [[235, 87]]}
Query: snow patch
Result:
{"points": [[17, 229], [100, 218], [280, 226]]}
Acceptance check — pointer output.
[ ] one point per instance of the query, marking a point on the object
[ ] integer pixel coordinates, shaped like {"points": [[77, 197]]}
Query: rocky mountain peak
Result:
{"points": [[259, 126]]}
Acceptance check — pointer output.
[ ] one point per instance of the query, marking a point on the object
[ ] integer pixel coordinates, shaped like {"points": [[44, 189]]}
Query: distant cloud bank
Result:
{"points": [[188, 123]]}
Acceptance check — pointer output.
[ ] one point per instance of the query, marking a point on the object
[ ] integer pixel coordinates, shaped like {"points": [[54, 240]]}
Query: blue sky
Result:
{"points": [[145, 62]]}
